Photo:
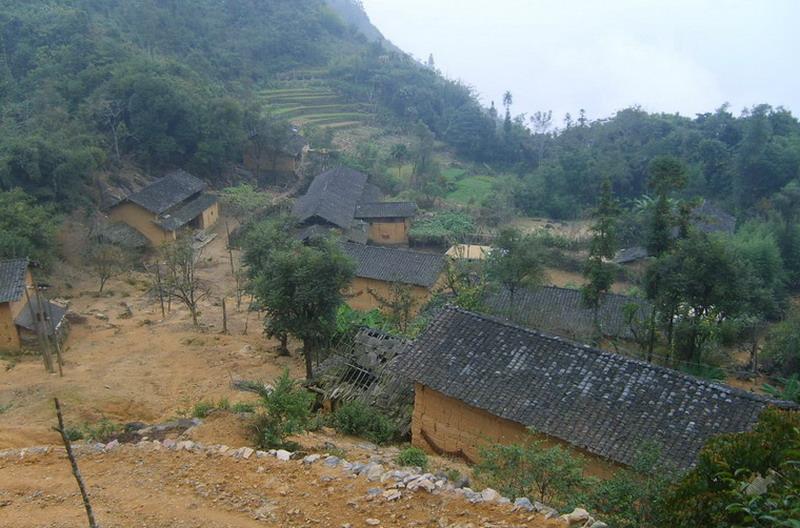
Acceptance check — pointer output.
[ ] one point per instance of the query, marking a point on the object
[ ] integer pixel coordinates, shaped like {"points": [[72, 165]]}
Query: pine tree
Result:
{"points": [[599, 271]]}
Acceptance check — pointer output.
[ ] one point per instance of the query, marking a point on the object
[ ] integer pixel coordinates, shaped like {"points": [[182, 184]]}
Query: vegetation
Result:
{"points": [[515, 262], [782, 347], [549, 474], [413, 457], [442, 228], [719, 492], [288, 411], [26, 229], [299, 286], [358, 419], [598, 271]]}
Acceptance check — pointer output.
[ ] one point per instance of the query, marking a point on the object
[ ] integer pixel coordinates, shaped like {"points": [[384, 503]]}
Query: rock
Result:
{"points": [[112, 445], [332, 461], [489, 495], [310, 459], [392, 495], [578, 516], [356, 468], [185, 445], [373, 471], [423, 483], [169, 443], [759, 485], [246, 452], [101, 316], [261, 454], [373, 522], [598, 524], [503, 500], [523, 503], [282, 454], [374, 491]]}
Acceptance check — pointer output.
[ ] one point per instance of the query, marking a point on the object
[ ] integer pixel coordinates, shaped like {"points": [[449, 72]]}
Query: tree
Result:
{"points": [[514, 262], [180, 275], [399, 154], [288, 409], [508, 100], [667, 174], [26, 228], [244, 201], [107, 261], [399, 305], [300, 289], [598, 270]]}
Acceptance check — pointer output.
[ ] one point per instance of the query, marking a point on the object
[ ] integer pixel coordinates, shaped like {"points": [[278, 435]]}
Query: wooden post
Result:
{"points": [[160, 290], [74, 463], [48, 359], [224, 318], [49, 328]]}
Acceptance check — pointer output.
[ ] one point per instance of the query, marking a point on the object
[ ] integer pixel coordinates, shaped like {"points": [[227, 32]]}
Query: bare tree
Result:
{"points": [[399, 305], [180, 275], [107, 261]]}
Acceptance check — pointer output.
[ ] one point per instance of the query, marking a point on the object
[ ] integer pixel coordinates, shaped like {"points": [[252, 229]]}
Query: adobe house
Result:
{"points": [[479, 380], [378, 269], [168, 206], [563, 312], [469, 252], [23, 312], [389, 222], [259, 157], [343, 200]]}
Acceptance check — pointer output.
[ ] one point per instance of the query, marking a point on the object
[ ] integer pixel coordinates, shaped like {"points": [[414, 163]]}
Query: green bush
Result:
{"points": [[101, 431], [288, 409], [413, 457], [782, 347], [242, 407], [442, 228], [202, 409], [551, 475], [73, 434], [704, 496], [358, 419]]}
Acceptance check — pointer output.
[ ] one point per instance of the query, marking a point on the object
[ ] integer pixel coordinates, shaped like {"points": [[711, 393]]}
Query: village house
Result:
{"points": [[562, 311], [261, 157], [24, 313], [469, 252], [343, 200], [168, 206], [380, 269], [479, 380]]}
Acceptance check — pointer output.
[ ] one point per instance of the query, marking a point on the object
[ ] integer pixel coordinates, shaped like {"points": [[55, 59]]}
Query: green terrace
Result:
{"points": [[310, 102]]}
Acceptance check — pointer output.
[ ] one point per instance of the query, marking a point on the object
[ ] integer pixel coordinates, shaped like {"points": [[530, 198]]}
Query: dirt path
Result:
{"points": [[134, 487]]}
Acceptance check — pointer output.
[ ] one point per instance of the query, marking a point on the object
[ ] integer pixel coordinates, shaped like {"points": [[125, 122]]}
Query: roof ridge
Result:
{"points": [[554, 287], [393, 249], [599, 351]]}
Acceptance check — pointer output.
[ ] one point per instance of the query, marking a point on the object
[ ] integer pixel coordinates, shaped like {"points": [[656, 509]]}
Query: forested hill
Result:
{"points": [[86, 85]]}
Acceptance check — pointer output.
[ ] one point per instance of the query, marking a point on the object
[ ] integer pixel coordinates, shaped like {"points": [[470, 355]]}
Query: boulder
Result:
{"points": [[310, 459], [373, 522], [523, 503], [373, 471], [282, 454], [579, 516], [598, 524], [489, 495], [332, 461]]}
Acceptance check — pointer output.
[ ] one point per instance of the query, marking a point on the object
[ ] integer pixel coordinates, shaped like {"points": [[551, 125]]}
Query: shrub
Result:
{"points": [[782, 348], [73, 434], [101, 431], [202, 409], [443, 228], [551, 475], [703, 497], [288, 408], [242, 407], [358, 419], [413, 457]]}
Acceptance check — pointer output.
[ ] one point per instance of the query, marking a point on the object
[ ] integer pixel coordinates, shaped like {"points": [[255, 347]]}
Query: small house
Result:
{"points": [[343, 200], [380, 269], [562, 311], [163, 209], [469, 252], [24, 313], [479, 380], [262, 157]]}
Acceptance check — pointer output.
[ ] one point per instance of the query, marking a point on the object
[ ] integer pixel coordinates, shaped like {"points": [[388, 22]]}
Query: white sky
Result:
{"points": [[685, 56]]}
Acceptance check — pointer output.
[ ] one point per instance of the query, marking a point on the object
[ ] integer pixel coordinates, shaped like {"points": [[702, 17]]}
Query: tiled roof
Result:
{"points": [[562, 311], [332, 196], [53, 312], [167, 192], [598, 401], [12, 279], [186, 212], [386, 210], [122, 234], [709, 218], [395, 265]]}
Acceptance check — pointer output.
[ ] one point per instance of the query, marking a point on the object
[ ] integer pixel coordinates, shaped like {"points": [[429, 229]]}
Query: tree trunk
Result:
{"points": [[652, 338], [283, 348], [308, 352], [224, 317]]}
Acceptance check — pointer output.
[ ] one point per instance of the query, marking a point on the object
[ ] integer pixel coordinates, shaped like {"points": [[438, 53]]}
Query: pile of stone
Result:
{"points": [[394, 482]]}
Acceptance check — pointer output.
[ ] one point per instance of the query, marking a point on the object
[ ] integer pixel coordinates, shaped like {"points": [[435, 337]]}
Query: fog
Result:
{"points": [[685, 56]]}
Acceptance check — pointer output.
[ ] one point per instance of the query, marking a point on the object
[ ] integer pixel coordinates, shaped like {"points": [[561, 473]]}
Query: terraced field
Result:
{"points": [[312, 103]]}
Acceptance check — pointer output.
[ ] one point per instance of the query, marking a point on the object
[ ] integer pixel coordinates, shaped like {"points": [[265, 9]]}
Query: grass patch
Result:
{"points": [[472, 190], [357, 419]]}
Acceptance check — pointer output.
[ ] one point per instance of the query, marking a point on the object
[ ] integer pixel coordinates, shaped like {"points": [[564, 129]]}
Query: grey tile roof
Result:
{"points": [[187, 212], [395, 265], [562, 311], [332, 197], [631, 254], [598, 401], [709, 218], [12, 279], [52, 312], [386, 210], [167, 192], [122, 234]]}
